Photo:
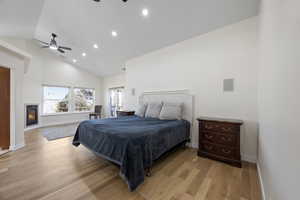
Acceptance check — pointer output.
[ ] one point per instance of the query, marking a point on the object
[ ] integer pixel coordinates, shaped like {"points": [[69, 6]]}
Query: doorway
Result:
{"points": [[116, 96], [4, 108]]}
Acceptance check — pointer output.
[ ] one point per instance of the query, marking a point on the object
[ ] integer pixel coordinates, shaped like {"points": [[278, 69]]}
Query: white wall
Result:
{"points": [[16, 63], [279, 111], [118, 80], [46, 68], [200, 65]]}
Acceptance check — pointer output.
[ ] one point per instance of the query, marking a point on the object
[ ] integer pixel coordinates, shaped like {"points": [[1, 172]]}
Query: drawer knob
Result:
{"points": [[227, 139], [209, 136], [226, 129], [208, 126], [226, 151], [209, 147]]}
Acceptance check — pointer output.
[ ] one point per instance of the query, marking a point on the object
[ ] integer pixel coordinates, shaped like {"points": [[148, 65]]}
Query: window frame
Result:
{"points": [[71, 100]]}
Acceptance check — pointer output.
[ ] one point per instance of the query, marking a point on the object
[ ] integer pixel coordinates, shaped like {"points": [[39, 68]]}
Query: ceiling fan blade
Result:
{"points": [[45, 43], [47, 46], [60, 50], [65, 48]]}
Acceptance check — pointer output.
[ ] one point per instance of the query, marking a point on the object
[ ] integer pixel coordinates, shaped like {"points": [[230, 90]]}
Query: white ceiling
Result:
{"points": [[81, 23], [19, 18]]}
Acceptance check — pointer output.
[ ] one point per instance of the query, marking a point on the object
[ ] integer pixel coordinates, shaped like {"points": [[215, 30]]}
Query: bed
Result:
{"points": [[134, 142]]}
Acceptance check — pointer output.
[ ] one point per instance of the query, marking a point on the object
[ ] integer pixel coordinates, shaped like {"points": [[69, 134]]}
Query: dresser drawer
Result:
{"points": [[225, 139], [227, 152], [219, 150], [219, 127], [209, 147]]}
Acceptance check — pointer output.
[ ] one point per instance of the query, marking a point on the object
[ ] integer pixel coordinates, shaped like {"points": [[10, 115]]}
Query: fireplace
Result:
{"points": [[32, 115]]}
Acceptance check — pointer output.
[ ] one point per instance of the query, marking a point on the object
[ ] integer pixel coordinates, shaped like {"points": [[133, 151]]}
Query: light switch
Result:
{"points": [[228, 85]]}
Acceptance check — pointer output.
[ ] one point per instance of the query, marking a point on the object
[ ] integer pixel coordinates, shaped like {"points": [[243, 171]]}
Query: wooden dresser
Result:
{"points": [[219, 139], [124, 113]]}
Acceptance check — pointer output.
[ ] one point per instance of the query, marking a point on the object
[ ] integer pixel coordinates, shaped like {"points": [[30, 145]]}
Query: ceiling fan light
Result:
{"points": [[53, 47]]}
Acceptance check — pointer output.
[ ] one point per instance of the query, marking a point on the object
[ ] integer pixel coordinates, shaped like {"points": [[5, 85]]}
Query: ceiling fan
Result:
{"points": [[53, 45]]}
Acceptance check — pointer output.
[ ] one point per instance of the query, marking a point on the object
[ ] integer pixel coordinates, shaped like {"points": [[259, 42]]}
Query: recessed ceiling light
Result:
{"points": [[83, 54], [145, 12], [96, 46], [74, 61], [114, 33]]}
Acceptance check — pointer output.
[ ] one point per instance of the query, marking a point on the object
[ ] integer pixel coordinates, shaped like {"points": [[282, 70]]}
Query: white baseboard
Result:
{"points": [[249, 158], [16, 147], [262, 188], [192, 145], [2, 152], [32, 128]]}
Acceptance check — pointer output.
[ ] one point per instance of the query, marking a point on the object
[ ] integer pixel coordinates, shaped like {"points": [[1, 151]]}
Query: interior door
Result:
{"points": [[4, 108]]}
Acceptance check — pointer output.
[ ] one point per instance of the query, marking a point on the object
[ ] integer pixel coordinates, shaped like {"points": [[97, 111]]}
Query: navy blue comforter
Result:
{"points": [[131, 142]]}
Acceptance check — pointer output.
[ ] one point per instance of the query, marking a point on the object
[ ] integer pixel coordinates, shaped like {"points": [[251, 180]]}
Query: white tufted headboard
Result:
{"points": [[176, 96]]}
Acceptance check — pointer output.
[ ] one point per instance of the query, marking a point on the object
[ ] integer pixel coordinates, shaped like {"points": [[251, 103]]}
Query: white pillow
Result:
{"points": [[141, 110], [153, 110], [171, 111]]}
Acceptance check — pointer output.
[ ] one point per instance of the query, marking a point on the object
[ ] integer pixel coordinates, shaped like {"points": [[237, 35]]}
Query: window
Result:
{"points": [[84, 99], [66, 99], [56, 99]]}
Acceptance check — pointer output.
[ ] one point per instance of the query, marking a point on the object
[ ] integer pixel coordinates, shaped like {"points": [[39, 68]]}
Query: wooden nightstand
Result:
{"points": [[219, 139], [124, 113]]}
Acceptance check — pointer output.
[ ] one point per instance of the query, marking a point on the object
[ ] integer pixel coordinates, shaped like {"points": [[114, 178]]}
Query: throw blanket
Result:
{"points": [[131, 142]]}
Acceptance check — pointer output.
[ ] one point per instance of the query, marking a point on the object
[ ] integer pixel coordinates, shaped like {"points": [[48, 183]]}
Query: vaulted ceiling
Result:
{"points": [[19, 18], [82, 23]]}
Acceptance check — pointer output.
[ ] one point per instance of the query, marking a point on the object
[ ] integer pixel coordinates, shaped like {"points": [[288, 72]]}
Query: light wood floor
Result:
{"points": [[57, 170]]}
